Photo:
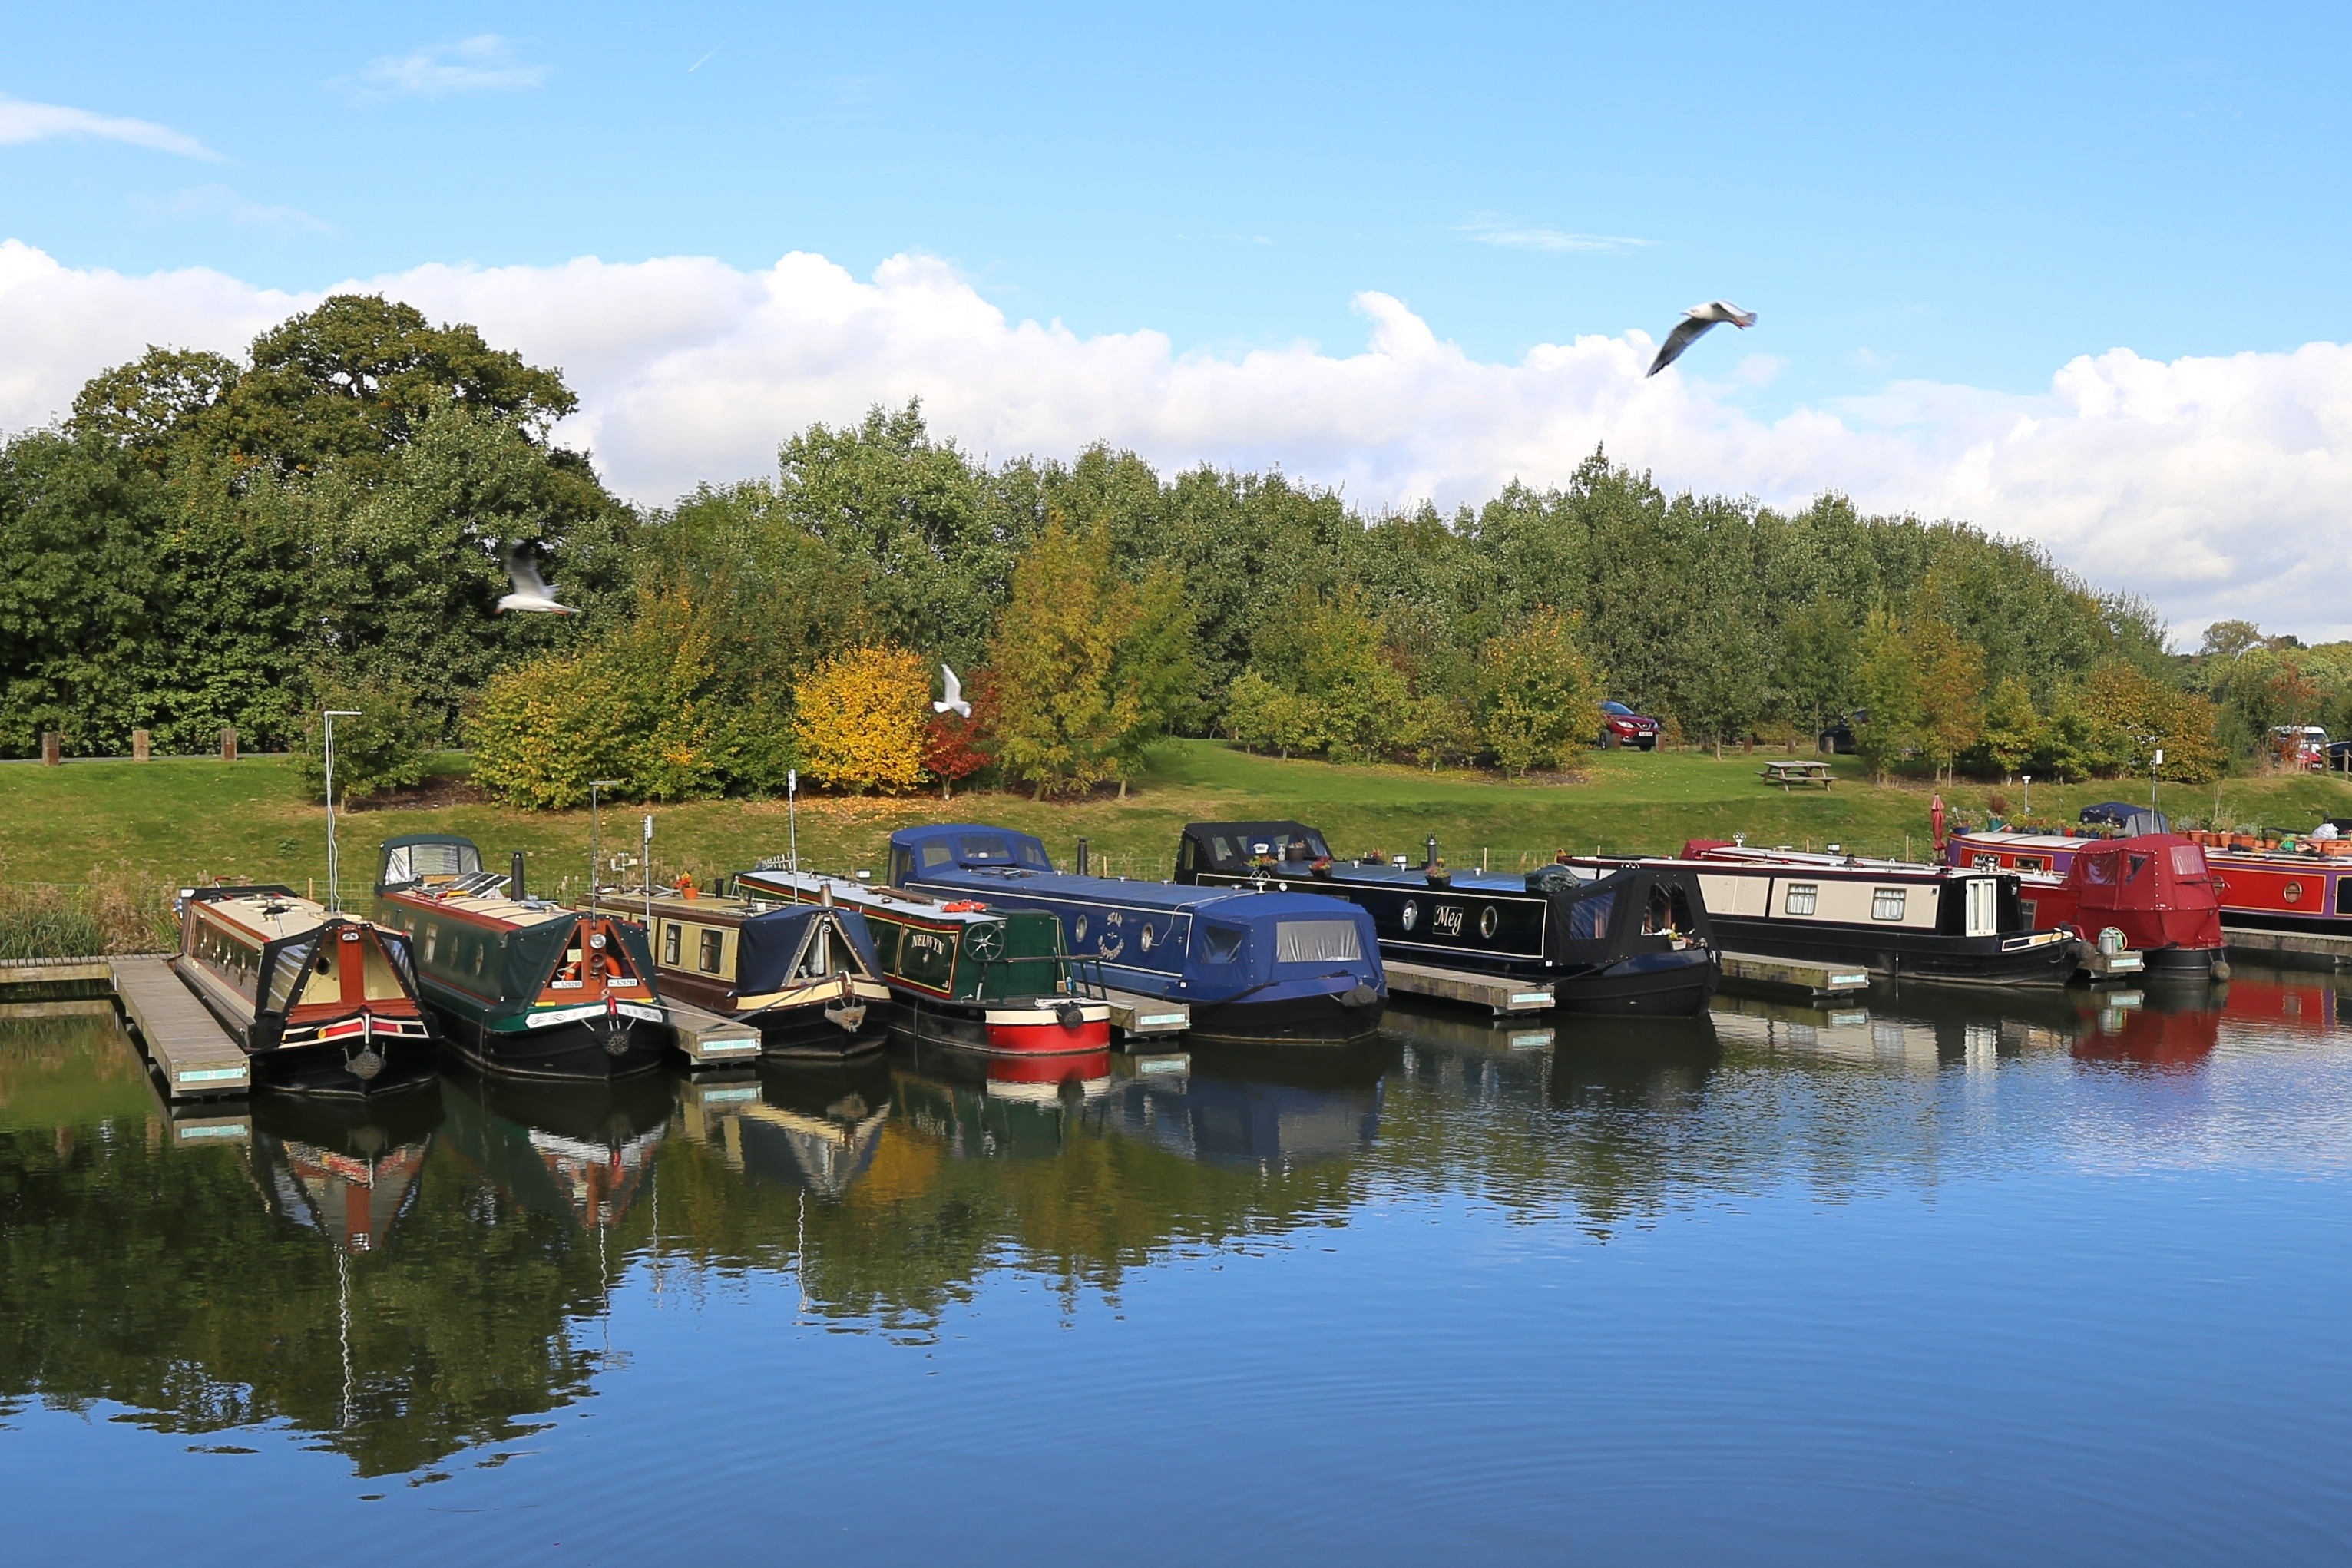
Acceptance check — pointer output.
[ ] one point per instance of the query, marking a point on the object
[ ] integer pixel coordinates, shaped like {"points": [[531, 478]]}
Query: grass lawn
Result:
{"points": [[181, 820]]}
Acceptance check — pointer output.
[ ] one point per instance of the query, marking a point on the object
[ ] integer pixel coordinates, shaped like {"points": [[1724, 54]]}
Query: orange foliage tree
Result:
{"points": [[955, 747], [858, 718]]}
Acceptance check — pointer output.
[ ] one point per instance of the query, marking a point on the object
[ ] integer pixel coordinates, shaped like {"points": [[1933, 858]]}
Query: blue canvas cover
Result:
{"points": [[768, 945]]}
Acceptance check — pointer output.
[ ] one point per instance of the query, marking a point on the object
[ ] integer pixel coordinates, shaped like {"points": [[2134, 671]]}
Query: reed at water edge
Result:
{"points": [[114, 912]]}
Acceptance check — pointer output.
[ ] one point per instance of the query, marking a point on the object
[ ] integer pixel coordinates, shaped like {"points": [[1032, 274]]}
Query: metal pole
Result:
{"points": [[594, 842], [334, 890], [793, 813], [648, 854]]}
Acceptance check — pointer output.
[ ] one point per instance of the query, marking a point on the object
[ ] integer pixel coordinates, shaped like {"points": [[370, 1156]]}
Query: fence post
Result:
{"points": [[140, 745], [49, 748], [228, 742]]}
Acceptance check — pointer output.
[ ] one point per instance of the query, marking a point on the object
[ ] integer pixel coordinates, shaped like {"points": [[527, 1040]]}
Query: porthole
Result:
{"points": [[2294, 893], [1488, 920], [1078, 930], [1146, 938], [1412, 914]]}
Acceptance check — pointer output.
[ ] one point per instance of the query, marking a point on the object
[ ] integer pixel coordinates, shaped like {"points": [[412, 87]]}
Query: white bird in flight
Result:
{"points": [[1696, 321], [531, 591], [955, 702]]}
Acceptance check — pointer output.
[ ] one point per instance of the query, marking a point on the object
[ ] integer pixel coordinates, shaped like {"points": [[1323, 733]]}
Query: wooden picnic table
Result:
{"points": [[1791, 774]]}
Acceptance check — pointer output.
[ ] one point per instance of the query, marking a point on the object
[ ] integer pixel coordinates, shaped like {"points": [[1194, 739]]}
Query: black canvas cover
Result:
{"points": [[767, 945], [1626, 913]]}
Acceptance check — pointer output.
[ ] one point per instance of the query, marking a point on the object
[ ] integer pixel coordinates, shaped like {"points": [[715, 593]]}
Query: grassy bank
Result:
{"points": [[162, 823]]}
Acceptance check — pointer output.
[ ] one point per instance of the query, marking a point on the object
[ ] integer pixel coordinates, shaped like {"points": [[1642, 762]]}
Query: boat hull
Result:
{"points": [[1646, 986], [1001, 1029], [327, 1069], [809, 1033], [1316, 1018], [1958, 960], [614, 1047]]}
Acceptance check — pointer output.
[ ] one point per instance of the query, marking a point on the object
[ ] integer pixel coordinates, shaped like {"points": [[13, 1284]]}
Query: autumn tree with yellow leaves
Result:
{"points": [[858, 716]]}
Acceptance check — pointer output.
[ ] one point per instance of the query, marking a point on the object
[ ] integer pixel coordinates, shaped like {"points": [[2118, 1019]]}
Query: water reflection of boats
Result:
{"points": [[1632, 1063], [815, 1127], [995, 1107], [577, 1149], [2301, 1000], [2175, 1028], [1253, 1106], [348, 1170]]}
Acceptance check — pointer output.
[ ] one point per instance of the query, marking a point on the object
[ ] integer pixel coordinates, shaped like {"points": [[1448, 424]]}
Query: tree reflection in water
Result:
{"points": [[408, 1282]]}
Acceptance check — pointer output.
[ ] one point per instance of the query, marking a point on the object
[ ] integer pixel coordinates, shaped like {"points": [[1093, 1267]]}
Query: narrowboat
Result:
{"points": [[804, 975], [1632, 940], [960, 974], [520, 986], [1254, 967], [320, 1002], [1892, 917], [2157, 888], [2300, 889], [815, 1127]]}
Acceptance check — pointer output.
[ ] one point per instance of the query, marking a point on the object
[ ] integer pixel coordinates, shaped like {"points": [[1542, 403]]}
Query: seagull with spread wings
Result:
{"points": [[532, 593], [955, 702], [1695, 322]]}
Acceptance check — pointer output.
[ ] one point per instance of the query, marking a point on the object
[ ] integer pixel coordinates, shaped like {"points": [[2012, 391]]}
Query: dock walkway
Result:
{"points": [[2292, 949], [186, 1044], [21, 973], [1751, 974], [1502, 996], [708, 1040], [1132, 1015]]}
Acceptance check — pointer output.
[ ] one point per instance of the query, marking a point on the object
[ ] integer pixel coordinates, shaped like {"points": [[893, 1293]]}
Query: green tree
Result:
{"points": [[386, 748], [1886, 678], [1539, 700]]}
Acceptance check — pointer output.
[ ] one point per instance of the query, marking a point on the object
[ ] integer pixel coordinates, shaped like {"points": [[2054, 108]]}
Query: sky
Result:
{"points": [[2072, 274]]}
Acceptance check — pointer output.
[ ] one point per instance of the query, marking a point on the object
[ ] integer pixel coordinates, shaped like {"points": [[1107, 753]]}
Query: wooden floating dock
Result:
{"points": [[1132, 1015], [1747, 972], [1501, 996], [186, 1044], [708, 1040], [16, 973], [2111, 968], [2295, 949]]}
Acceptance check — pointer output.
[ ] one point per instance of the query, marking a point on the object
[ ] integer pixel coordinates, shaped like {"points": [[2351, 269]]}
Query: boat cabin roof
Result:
{"points": [[1017, 862], [868, 898], [491, 904], [264, 914], [1829, 865]]}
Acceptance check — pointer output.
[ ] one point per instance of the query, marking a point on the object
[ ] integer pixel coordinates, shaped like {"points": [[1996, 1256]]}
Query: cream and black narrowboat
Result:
{"points": [[804, 975], [320, 1002], [520, 986]]}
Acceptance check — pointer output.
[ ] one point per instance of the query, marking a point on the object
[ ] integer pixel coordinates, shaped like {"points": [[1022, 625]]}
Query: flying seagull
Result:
{"points": [[531, 591], [1695, 320], [955, 702]]}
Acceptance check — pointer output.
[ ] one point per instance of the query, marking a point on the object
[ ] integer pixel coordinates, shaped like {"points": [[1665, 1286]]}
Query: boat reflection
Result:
{"points": [[994, 1107], [348, 1170], [813, 1126], [1253, 1106], [576, 1149]]}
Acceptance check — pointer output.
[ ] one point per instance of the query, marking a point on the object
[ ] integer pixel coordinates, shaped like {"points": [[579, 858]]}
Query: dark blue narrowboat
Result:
{"points": [[1255, 967], [1636, 941]]}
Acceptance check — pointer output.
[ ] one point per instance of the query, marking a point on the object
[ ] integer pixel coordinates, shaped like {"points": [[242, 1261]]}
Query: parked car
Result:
{"points": [[2300, 746], [2124, 815], [1621, 726], [2340, 756]]}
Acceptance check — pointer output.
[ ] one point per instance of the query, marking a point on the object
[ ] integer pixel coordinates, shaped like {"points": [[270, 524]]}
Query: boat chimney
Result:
{"points": [[514, 879], [825, 892], [1082, 857], [1429, 862]]}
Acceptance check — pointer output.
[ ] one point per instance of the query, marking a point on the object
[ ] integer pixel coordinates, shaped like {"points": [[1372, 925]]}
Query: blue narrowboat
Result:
{"points": [[1635, 940], [1254, 967]]}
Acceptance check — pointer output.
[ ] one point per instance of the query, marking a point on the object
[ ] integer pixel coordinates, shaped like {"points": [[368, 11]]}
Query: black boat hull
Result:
{"points": [[326, 1069], [808, 1034], [1648, 985], [1325, 1018], [2184, 965], [587, 1050], [1947, 960]]}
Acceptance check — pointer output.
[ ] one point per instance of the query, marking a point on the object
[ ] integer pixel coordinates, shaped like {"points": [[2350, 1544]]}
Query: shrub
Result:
{"points": [[858, 718], [386, 748]]}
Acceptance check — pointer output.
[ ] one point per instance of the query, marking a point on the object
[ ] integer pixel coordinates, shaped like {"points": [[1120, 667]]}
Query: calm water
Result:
{"points": [[1939, 1280]]}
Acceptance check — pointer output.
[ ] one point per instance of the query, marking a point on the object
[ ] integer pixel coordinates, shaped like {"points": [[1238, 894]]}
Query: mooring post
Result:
{"points": [[228, 742], [142, 745], [49, 748]]}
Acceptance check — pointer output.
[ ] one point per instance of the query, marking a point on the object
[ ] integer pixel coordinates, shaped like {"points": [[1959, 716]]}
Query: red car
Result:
{"points": [[1621, 726]]}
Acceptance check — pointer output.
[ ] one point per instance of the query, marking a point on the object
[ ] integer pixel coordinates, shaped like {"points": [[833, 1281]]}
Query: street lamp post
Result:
{"points": [[334, 865], [594, 822]]}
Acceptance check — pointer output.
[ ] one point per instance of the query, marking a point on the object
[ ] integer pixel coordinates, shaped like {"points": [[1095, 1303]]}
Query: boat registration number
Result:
{"points": [[565, 984]]}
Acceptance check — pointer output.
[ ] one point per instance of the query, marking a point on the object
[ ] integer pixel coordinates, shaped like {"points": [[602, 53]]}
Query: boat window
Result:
{"points": [[902, 863], [673, 937], [991, 849], [2136, 864], [708, 957], [2099, 868], [2343, 894], [1033, 855], [432, 942], [1802, 898], [1588, 919], [1221, 944], [1315, 941], [1224, 850], [290, 964], [2026, 863], [396, 867], [2187, 860], [1983, 910], [1886, 903], [937, 853]]}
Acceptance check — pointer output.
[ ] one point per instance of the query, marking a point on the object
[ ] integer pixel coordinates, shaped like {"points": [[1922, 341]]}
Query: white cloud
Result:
{"points": [[1487, 229], [484, 63], [2214, 486], [22, 122]]}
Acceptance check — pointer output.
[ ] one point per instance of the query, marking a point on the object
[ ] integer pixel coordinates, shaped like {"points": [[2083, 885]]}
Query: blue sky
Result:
{"points": [[1969, 196], [1956, 200]]}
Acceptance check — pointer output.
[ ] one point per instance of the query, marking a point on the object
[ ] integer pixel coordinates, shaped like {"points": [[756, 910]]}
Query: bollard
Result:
{"points": [[141, 745], [49, 748], [228, 742]]}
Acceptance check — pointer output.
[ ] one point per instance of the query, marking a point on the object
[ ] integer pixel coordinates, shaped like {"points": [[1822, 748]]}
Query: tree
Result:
{"points": [[859, 719], [1349, 698], [1539, 701], [1886, 678], [2131, 714], [1950, 690], [156, 403], [1090, 668], [2013, 732], [386, 748], [956, 746], [1817, 654]]}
